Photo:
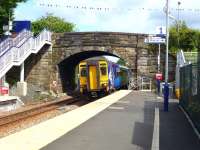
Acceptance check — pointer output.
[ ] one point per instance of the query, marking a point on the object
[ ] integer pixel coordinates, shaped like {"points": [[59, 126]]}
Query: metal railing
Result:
{"points": [[20, 48], [142, 83], [10, 42], [181, 61]]}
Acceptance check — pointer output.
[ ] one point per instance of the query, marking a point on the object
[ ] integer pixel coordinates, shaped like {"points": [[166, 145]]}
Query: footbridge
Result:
{"points": [[14, 51]]}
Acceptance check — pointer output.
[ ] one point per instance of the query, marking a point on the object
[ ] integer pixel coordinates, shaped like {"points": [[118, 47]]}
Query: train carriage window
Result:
{"points": [[103, 71], [83, 72]]}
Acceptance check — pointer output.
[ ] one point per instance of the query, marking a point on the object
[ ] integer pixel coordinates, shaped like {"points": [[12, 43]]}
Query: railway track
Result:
{"points": [[36, 110]]}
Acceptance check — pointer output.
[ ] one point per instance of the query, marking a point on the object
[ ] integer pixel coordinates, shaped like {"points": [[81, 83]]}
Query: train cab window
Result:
{"points": [[103, 71], [83, 72]]}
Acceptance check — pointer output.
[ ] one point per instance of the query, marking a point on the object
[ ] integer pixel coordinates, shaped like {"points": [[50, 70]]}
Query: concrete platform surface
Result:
{"points": [[130, 124], [126, 125], [128, 121], [40, 135]]}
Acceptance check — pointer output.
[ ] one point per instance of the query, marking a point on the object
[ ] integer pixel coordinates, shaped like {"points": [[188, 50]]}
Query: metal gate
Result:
{"points": [[190, 91]]}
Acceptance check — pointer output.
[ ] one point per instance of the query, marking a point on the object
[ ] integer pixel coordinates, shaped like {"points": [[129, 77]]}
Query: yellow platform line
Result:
{"points": [[38, 136]]}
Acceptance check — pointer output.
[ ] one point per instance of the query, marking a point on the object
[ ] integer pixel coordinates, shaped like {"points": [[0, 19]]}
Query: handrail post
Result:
{"points": [[22, 72]]}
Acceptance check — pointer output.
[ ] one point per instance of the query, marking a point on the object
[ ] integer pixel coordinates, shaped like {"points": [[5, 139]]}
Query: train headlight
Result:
{"points": [[81, 90]]}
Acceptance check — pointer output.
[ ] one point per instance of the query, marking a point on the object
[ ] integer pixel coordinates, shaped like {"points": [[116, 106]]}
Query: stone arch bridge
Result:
{"points": [[57, 63]]}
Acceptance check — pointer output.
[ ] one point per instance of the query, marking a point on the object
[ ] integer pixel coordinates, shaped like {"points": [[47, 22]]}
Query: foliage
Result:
{"points": [[121, 62], [52, 23], [153, 48], [6, 10], [184, 38]]}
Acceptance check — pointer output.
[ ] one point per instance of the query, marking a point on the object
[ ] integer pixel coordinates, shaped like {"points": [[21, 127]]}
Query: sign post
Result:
{"points": [[166, 86], [159, 38]]}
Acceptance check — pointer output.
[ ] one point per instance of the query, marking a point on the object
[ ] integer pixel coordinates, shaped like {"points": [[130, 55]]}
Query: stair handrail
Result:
{"points": [[31, 44], [17, 54], [9, 42], [181, 58]]}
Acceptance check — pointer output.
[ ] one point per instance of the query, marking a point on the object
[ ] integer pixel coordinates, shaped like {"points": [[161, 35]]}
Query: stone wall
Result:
{"points": [[38, 67], [41, 69]]}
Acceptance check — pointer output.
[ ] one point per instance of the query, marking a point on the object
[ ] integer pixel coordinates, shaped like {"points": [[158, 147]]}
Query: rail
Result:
{"points": [[35, 110], [13, 52]]}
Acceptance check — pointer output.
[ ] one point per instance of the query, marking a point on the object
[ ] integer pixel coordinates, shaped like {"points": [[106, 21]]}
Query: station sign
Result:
{"points": [[154, 40]]}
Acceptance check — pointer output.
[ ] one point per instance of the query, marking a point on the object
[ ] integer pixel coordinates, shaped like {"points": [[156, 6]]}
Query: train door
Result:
{"points": [[103, 74], [92, 77], [82, 77]]}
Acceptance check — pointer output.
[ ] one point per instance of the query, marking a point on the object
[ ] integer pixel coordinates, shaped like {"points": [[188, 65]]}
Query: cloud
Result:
{"points": [[141, 16]]}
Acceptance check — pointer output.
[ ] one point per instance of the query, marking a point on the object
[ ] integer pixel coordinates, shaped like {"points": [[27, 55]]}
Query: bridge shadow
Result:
{"points": [[143, 131], [175, 130]]}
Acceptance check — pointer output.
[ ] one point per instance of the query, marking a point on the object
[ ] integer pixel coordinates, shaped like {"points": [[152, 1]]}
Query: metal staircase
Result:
{"points": [[14, 51]]}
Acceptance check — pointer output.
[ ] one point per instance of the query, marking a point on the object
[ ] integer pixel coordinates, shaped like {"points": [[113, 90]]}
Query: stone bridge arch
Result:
{"points": [[52, 63]]}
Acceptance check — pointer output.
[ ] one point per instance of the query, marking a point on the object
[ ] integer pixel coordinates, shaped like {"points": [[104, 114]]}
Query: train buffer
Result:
{"points": [[123, 120]]}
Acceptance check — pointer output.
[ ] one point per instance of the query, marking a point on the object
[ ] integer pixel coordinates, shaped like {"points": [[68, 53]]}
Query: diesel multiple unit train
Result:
{"points": [[99, 75]]}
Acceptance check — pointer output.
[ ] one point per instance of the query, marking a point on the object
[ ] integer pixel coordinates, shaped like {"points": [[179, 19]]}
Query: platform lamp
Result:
{"points": [[178, 23], [166, 85]]}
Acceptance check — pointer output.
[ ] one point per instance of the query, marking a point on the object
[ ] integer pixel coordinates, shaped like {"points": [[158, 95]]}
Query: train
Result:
{"points": [[99, 75]]}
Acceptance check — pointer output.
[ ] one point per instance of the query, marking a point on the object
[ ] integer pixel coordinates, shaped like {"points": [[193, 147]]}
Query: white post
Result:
{"points": [[158, 57], [22, 72], [3, 80], [167, 42], [166, 87], [150, 84], [22, 85], [179, 3], [142, 84]]}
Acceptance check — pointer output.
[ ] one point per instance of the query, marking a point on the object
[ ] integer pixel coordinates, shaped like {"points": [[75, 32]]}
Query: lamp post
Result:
{"points": [[166, 86], [179, 3]]}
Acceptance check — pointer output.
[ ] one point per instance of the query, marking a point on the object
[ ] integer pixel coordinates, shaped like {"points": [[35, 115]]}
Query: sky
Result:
{"points": [[134, 16]]}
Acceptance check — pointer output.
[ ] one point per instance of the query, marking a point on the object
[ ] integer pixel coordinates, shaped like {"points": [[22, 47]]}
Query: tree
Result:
{"points": [[186, 39], [121, 62], [52, 23], [6, 11]]}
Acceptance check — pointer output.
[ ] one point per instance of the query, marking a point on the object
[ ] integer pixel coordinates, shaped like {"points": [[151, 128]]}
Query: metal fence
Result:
{"points": [[190, 91]]}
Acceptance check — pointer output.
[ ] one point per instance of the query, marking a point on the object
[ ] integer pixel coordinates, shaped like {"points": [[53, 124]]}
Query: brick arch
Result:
{"points": [[67, 66]]}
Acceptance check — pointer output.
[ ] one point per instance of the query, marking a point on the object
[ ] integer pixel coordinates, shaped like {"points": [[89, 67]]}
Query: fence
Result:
{"points": [[190, 91]]}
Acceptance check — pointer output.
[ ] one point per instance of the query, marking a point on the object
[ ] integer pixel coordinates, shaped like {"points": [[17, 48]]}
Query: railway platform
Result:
{"points": [[124, 120]]}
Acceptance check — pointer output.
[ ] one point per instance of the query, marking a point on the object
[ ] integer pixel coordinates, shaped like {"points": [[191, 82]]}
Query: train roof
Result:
{"points": [[96, 58], [124, 67], [103, 58]]}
